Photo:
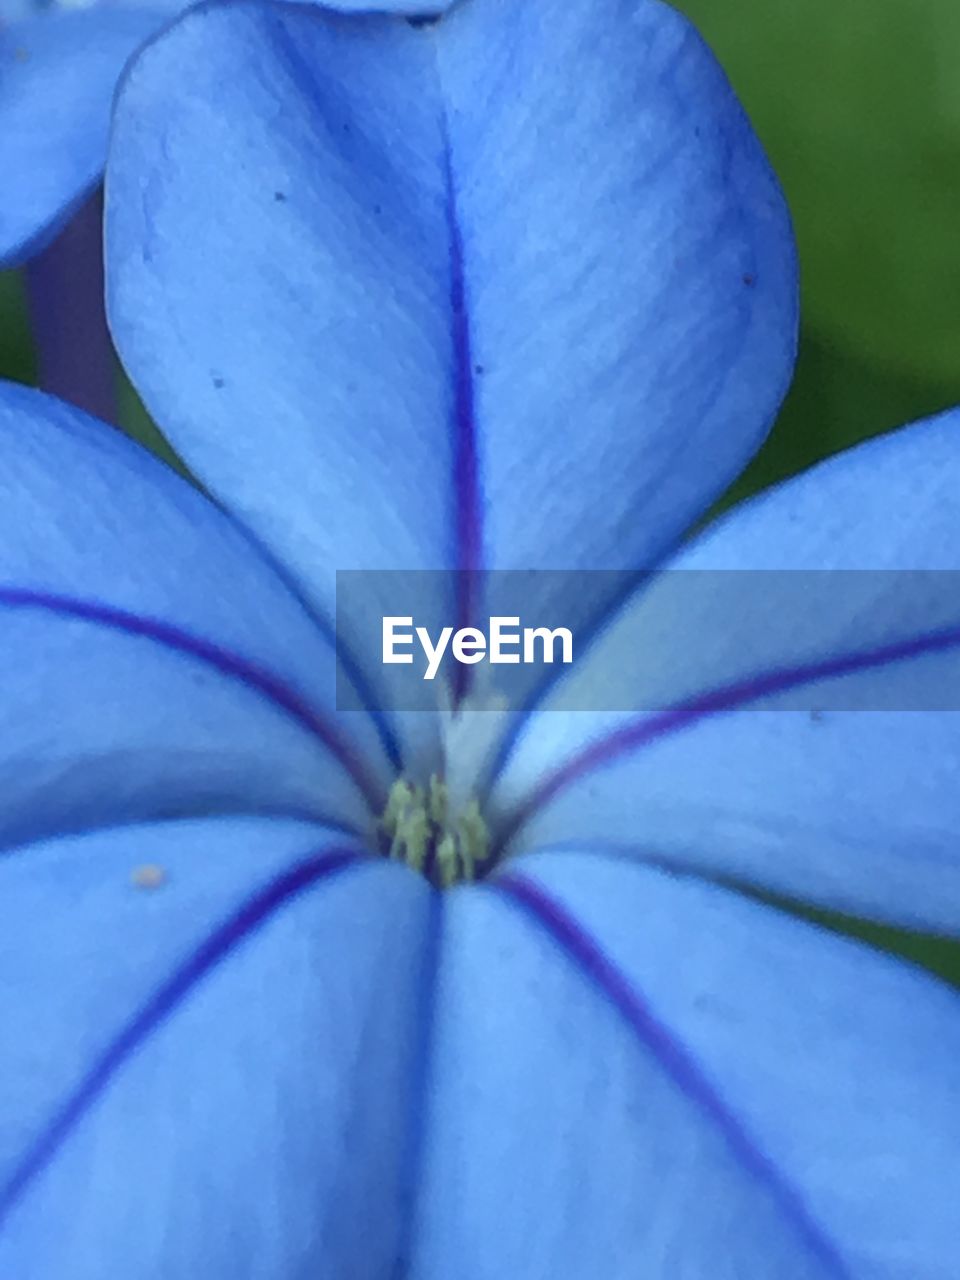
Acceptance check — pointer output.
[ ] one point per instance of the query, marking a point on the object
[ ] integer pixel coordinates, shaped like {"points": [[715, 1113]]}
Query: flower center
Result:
{"points": [[438, 828], [419, 827]]}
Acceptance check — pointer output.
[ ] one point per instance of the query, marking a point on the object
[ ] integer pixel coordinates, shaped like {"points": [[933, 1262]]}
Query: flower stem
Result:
{"points": [[65, 293]]}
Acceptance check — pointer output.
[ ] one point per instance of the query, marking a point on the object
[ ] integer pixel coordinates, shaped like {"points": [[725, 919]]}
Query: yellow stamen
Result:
{"points": [[420, 829]]}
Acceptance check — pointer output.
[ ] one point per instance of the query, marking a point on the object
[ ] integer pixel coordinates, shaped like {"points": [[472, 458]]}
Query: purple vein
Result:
{"points": [[217, 947], [646, 730], [228, 664], [582, 949], [466, 467]]}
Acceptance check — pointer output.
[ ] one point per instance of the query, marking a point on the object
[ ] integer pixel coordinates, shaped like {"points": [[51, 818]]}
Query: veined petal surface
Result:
{"points": [[155, 662], [752, 1082], [440, 314], [803, 738], [756, 1095], [207, 1077]]}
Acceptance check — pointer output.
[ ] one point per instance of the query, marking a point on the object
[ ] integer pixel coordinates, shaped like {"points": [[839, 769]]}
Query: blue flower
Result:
{"points": [[514, 290], [59, 64]]}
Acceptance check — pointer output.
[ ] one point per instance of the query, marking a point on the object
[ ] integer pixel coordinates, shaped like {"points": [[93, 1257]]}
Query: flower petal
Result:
{"points": [[847, 794], [568, 1135], [57, 77], [207, 1078], [434, 318], [837, 1062], [424, 9], [155, 662]]}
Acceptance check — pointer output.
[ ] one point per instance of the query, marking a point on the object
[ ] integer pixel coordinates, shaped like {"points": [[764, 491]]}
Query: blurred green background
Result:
{"points": [[858, 105]]}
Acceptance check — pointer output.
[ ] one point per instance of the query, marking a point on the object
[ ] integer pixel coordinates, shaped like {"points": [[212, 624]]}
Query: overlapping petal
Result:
{"points": [[58, 73], [804, 663], [755, 1095], [718, 1044], [154, 661], [401, 207], [209, 1078]]}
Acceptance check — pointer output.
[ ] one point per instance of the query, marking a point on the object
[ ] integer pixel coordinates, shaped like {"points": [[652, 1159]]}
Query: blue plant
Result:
{"points": [[514, 290]]}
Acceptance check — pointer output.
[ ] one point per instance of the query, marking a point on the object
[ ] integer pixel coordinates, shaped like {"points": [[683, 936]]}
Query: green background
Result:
{"points": [[858, 105]]}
